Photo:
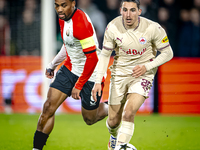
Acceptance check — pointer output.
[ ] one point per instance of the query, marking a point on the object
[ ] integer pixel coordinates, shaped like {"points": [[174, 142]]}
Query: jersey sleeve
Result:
{"points": [[102, 64], [159, 37], [161, 42], [83, 31], [108, 42], [89, 67], [60, 57]]}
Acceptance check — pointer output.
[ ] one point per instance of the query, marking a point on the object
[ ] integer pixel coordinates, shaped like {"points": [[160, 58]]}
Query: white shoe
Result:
{"points": [[112, 143]]}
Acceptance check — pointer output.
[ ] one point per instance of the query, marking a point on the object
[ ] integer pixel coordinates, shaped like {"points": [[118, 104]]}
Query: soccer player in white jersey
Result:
{"points": [[136, 41], [76, 77]]}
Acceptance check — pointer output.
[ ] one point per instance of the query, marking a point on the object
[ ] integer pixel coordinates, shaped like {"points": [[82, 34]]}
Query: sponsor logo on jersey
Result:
{"points": [[142, 40], [134, 51], [69, 44], [120, 39], [165, 40]]}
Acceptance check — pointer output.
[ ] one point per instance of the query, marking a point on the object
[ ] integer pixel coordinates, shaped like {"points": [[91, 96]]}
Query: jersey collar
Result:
{"points": [[135, 27], [71, 15]]}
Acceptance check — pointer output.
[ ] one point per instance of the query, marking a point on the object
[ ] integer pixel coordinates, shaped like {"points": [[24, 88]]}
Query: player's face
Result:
{"points": [[64, 8], [130, 13]]}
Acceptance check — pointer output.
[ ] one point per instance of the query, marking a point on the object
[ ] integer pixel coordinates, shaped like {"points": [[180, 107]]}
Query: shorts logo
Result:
{"points": [[165, 40], [92, 102], [146, 85], [142, 40]]}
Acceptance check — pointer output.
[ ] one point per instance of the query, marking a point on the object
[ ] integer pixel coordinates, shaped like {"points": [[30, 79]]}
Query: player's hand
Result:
{"points": [[139, 70], [76, 93], [49, 73], [96, 89]]}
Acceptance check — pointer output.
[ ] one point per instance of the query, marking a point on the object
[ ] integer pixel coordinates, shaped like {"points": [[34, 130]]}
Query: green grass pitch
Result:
{"points": [[152, 132]]}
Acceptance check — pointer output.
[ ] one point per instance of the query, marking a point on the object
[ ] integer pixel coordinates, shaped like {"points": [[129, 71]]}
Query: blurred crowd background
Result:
{"points": [[20, 23]]}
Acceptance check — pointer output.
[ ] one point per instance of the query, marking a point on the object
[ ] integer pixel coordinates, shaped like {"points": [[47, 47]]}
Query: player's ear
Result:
{"points": [[120, 9], [140, 11], [74, 3]]}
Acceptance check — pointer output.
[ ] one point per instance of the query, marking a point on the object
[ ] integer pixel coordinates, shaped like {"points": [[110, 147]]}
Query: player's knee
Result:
{"points": [[113, 122], [128, 115], [48, 109], [89, 120], [103, 109]]}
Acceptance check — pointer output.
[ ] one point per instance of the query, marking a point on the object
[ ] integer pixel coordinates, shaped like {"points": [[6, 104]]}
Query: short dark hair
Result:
{"points": [[135, 1]]}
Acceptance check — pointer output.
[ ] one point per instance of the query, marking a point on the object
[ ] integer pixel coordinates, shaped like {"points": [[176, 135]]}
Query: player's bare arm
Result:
{"points": [[139, 70]]}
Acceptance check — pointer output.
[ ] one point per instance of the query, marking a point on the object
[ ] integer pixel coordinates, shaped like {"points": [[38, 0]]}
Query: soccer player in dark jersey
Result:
{"points": [[76, 77]]}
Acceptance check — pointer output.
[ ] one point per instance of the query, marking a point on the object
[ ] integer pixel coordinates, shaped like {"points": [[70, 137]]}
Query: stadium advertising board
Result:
{"points": [[21, 80], [178, 86]]}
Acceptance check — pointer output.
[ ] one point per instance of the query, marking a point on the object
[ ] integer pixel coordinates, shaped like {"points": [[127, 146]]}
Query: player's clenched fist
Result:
{"points": [[49, 73]]}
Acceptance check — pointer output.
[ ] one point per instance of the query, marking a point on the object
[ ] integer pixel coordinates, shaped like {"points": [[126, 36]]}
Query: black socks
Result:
{"points": [[40, 139]]}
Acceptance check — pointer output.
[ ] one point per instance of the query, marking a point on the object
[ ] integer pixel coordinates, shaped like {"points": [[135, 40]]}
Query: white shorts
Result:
{"points": [[120, 86]]}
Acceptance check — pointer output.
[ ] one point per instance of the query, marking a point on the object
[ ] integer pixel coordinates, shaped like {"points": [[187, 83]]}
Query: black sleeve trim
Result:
{"points": [[90, 52]]}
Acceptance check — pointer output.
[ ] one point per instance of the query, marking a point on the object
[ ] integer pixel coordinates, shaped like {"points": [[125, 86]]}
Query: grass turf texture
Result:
{"points": [[71, 133]]}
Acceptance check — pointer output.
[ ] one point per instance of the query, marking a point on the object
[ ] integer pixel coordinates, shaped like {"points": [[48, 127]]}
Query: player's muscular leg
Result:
{"points": [[92, 116], [133, 103], [115, 115], [54, 100]]}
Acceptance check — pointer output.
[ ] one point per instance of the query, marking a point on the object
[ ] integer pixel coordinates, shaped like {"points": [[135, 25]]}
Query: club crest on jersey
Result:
{"points": [[67, 32], [142, 40]]}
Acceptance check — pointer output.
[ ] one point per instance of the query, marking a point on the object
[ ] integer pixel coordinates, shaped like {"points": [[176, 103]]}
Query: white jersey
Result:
{"points": [[133, 46]]}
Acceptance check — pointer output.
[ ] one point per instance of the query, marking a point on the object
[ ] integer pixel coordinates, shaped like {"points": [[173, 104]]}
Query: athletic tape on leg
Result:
{"points": [[127, 128], [125, 132]]}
